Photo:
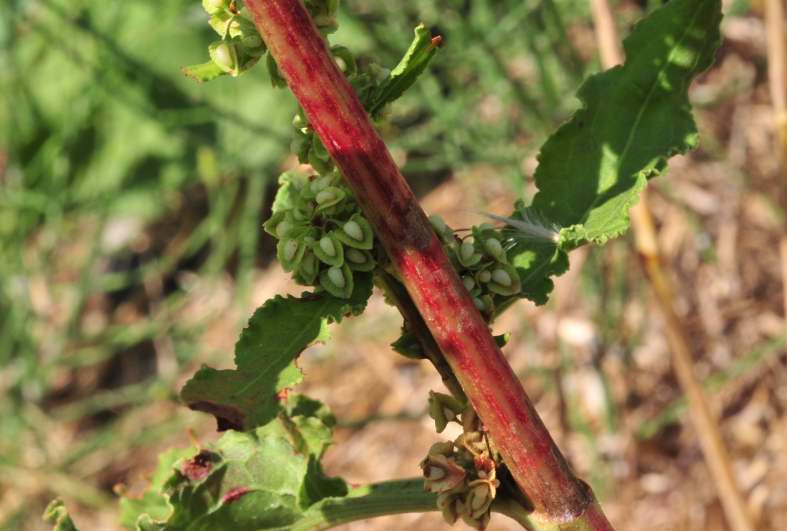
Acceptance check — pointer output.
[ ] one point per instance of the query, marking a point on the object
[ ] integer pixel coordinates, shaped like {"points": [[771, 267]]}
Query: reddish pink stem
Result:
{"points": [[561, 501]]}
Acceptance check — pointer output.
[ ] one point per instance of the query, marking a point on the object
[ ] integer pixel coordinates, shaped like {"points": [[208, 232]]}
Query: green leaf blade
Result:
{"points": [[415, 60], [634, 117], [246, 397], [260, 479]]}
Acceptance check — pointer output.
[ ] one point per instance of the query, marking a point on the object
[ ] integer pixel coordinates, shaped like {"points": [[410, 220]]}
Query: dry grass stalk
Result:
{"points": [[646, 242]]}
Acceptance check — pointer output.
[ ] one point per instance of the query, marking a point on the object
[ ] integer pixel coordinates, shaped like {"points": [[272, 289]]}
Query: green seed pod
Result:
{"points": [[215, 6], [273, 222], [501, 277], [290, 251], [353, 228], [225, 55], [308, 269], [299, 121], [283, 228], [468, 282], [494, 248], [443, 409], [329, 250], [467, 254], [359, 260], [489, 304], [484, 276], [338, 281], [479, 304], [329, 197], [335, 275], [345, 59], [505, 280], [321, 183], [326, 244]]}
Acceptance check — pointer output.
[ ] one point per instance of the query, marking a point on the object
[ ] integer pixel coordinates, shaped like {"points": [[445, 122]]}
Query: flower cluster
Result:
{"points": [[463, 473], [480, 259], [322, 236]]}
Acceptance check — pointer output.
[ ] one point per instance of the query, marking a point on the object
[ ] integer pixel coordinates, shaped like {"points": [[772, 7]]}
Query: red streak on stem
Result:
{"points": [[337, 116]]}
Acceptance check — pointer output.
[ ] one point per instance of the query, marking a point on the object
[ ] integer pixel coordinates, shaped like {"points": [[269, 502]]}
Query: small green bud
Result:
{"points": [[308, 268], [468, 282], [338, 281], [355, 256], [493, 247], [443, 409], [501, 277], [290, 248], [479, 304], [335, 275], [282, 229], [356, 232], [215, 6], [505, 281], [467, 249], [326, 244], [353, 230], [251, 42], [484, 276], [225, 56], [345, 60], [299, 215], [359, 260], [324, 196]]}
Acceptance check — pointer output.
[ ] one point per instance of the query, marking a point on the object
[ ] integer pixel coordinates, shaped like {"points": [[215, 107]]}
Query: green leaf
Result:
{"points": [[57, 515], [415, 60], [262, 479], [153, 502], [246, 397], [633, 118], [203, 72]]}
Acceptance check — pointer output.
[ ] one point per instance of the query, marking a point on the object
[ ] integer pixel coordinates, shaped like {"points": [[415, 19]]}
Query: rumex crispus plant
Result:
{"points": [[351, 222]]}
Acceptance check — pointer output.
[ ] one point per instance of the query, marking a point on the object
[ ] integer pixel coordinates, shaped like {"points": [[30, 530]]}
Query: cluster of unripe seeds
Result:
{"points": [[241, 45], [462, 473], [322, 236], [480, 259]]}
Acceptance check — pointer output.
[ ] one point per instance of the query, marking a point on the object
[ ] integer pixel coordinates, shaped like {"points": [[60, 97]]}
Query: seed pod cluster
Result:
{"points": [[241, 45], [322, 236], [463, 473], [481, 261]]}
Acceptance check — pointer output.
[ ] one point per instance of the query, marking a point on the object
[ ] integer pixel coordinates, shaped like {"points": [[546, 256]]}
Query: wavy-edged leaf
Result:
{"points": [[152, 502], [261, 479], [246, 397], [404, 74], [633, 118]]}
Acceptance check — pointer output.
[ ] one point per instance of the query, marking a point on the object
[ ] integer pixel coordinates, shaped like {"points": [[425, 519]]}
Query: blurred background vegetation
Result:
{"points": [[131, 200]]}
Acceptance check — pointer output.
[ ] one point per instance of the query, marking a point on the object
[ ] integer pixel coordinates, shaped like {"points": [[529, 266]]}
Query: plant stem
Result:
{"points": [[385, 499], [560, 500], [705, 426], [368, 501]]}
